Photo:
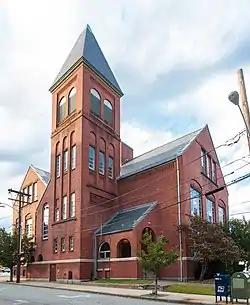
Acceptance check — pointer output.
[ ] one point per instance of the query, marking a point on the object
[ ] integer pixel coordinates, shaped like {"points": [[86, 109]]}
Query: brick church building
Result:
{"points": [[100, 199]]}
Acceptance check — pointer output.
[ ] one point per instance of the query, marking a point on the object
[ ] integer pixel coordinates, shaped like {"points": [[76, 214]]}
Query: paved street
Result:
{"points": [[21, 295]]}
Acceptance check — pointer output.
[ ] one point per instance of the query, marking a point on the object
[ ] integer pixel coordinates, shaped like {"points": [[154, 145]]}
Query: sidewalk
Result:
{"points": [[129, 293]]}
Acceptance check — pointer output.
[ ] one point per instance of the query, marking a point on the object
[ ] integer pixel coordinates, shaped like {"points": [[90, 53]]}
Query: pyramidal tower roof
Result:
{"points": [[88, 51]]}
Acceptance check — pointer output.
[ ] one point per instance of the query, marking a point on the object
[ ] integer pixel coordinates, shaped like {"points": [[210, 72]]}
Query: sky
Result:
{"points": [[176, 62]]}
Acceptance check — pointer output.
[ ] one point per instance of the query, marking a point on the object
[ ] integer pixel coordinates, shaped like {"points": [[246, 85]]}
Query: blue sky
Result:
{"points": [[175, 63]]}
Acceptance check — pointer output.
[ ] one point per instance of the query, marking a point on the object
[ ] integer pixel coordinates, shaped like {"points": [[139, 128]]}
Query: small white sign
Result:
{"points": [[221, 289]]}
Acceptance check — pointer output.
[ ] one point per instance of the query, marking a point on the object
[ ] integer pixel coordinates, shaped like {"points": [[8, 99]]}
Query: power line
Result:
{"points": [[139, 198], [239, 179], [228, 142], [231, 141], [239, 203], [239, 213], [154, 193]]}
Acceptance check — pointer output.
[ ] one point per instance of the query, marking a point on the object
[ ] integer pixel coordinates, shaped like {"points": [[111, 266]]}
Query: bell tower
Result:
{"points": [[85, 144]]}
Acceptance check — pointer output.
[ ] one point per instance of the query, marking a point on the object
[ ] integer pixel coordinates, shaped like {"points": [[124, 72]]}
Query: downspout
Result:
{"points": [[94, 256], [179, 218]]}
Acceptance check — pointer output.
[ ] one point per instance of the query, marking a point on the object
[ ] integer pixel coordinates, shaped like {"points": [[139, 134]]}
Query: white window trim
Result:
{"points": [[55, 245], [192, 199], [63, 244], [101, 164], [92, 158], [62, 109], [111, 169], [214, 176], [58, 166], [221, 209], [71, 243], [209, 161], [57, 215], [45, 233], [72, 209], [64, 207], [73, 157], [210, 202], [105, 252], [65, 161], [28, 227], [34, 192], [203, 161]]}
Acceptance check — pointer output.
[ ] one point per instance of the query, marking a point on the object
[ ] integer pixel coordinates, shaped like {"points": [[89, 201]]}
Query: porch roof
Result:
{"points": [[126, 219]]}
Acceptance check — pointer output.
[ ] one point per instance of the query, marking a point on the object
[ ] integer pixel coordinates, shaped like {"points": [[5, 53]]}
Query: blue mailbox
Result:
{"points": [[222, 284]]}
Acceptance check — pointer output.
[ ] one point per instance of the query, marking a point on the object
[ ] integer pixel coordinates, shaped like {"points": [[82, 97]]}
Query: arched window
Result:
{"points": [[210, 208], [28, 225], [72, 100], [70, 275], [104, 251], [124, 248], [195, 202], [40, 258], [45, 221], [95, 102], [108, 112], [61, 111], [221, 212]]}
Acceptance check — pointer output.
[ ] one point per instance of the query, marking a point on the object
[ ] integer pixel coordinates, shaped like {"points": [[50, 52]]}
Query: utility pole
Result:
{"points": [[19, 231], [244, 102]]}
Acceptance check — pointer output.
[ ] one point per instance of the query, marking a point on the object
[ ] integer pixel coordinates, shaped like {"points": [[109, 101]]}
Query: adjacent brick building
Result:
{"points": [[34, 184], [100, 199]]}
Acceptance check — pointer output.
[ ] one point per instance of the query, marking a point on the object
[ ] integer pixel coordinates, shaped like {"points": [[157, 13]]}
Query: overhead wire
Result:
{"points": [[98, 226], [228, 142], [150, 194]]}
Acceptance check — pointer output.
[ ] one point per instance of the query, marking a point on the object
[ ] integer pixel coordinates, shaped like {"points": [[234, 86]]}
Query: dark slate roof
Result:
{"points": [[87, 49], [126, 219], [158, 156], [44, 176]]}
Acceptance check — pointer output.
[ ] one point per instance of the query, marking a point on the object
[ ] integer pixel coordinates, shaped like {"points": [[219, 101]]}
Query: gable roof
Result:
{"points": [[42, 174], [87, 50], [158, 156], [126, 219]]}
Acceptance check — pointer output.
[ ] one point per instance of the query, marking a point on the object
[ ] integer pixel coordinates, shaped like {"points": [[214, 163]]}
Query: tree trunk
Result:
{"points": [[11, 274], [203, 271], [156, 283]]}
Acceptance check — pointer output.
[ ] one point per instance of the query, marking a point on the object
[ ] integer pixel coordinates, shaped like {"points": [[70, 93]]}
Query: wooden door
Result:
{"points": [[52, 273]]}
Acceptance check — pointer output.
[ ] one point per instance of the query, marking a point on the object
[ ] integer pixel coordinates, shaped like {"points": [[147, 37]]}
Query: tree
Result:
{"points": [[208, 242], [8, 249], [27, 248], [239, 231], [154, 256]]}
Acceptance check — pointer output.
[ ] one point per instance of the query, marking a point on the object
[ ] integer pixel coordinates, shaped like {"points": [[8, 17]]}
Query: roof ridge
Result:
{"points": [[136, 207], [185, 135], [35, 167]]}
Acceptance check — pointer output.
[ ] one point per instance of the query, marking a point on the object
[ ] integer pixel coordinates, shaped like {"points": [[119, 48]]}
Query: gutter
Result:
{"points": [[179, 218], [95, 254]]}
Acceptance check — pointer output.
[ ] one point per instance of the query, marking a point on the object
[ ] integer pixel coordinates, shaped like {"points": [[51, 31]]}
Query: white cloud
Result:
{"points": [[147, 37], [157, 36], [143, 139], [209, 104]]}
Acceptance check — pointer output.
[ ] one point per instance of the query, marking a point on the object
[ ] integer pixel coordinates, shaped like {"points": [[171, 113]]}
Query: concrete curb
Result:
{"points": [[145, 297]]}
